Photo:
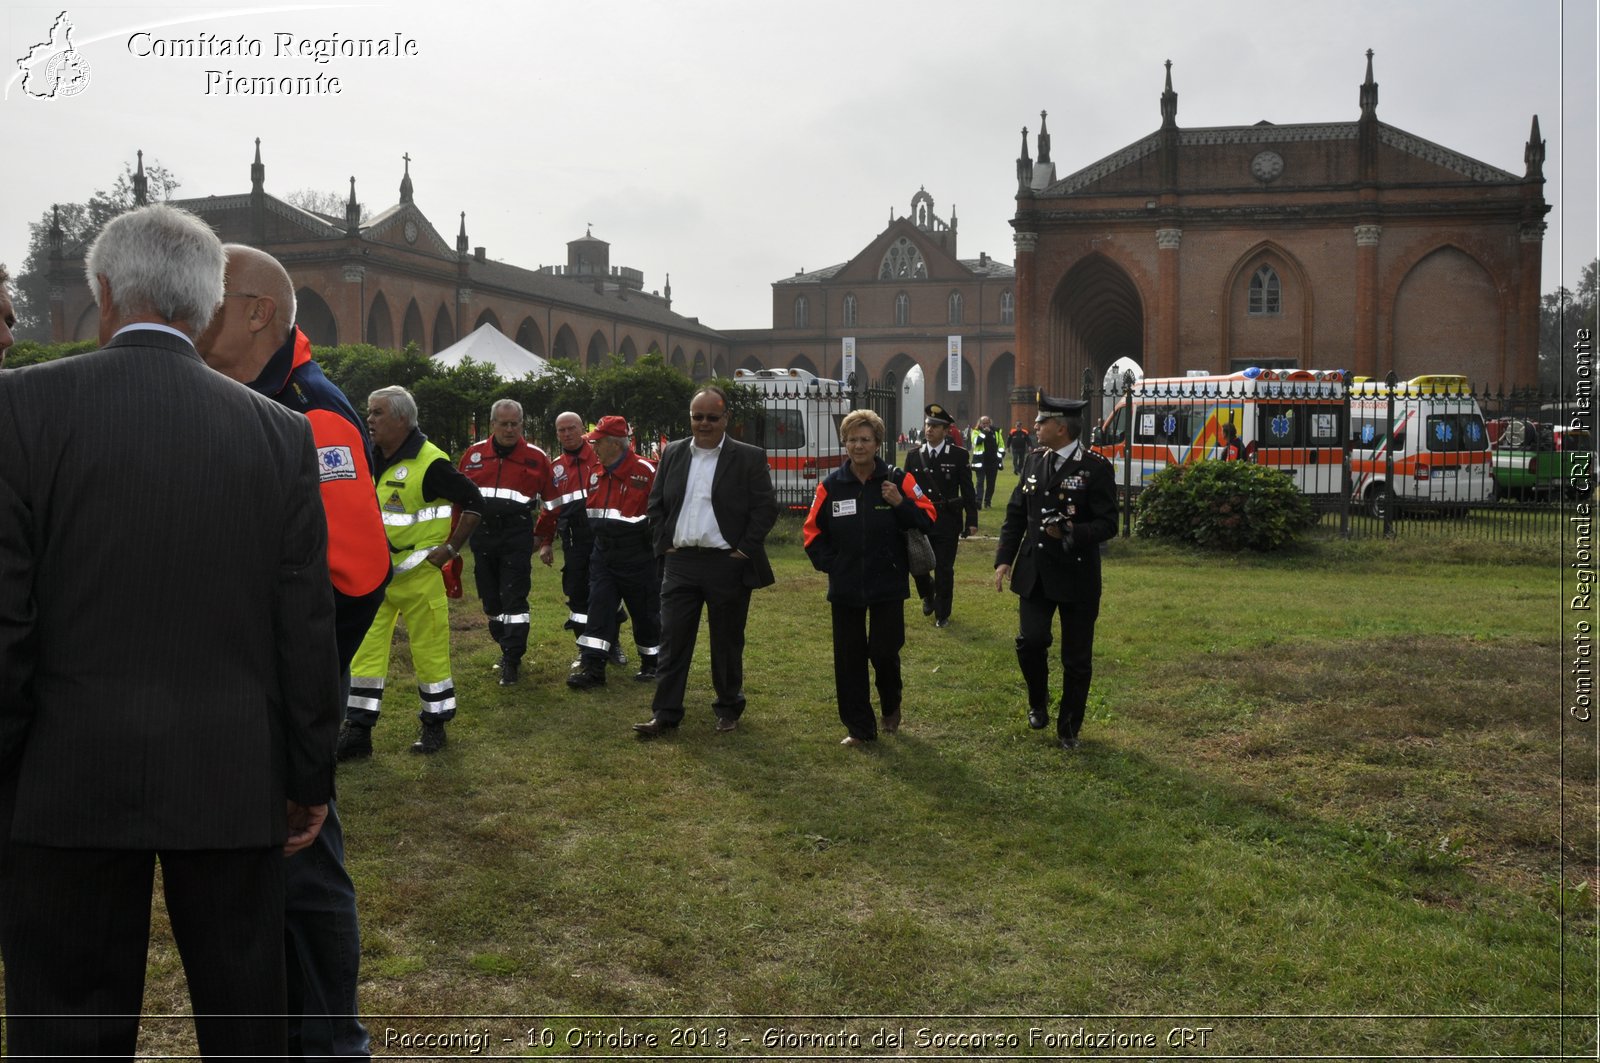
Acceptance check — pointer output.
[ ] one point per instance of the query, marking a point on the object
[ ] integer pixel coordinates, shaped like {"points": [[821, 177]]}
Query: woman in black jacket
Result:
{"points": [[856, 533]]}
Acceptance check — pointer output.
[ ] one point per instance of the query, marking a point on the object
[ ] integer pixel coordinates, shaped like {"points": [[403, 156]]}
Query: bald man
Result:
{"points": [[252, 339]]}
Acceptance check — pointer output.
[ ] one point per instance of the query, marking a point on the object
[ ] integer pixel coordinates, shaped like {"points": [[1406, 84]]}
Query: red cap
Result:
{"points": [[610, 425]]}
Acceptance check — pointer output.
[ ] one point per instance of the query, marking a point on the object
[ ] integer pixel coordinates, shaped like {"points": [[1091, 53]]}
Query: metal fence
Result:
{"points": [[1429, 456], [798, 427]]}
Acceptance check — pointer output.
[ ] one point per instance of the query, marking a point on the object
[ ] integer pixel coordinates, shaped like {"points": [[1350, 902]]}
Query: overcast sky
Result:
{"points": [[731, 144]]}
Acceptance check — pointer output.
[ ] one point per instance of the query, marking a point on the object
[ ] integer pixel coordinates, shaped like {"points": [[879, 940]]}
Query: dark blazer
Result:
{"points": [[741, 499], [1085, 491], [167, 660]]}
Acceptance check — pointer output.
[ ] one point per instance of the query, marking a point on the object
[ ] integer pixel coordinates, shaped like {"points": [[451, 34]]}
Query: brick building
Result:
{"points": [[900, 299], [395, 279], [1350, 245]]}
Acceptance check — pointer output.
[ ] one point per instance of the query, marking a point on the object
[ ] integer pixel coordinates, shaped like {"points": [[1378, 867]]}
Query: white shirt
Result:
{"points": [[697, 521], [1070, 452], [934, 451], [156, 325]]}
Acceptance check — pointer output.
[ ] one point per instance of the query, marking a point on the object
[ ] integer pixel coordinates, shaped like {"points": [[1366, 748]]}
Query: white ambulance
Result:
{"points": [[1286, 418], [799, 428], [1439, 443]]}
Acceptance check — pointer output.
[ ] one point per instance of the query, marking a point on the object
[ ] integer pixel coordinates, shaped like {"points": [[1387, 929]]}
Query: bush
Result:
{"points": [[1222, 505]]}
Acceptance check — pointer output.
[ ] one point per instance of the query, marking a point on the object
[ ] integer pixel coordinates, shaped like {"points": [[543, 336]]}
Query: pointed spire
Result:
{"points": [[352, 211], [1169, 102], [668, 290], [952, 217], [258, 172], [1044, 140], [461, 237], [1369, 91], [1533, 154], [56, 235], [141, 184], [1024, 163], [405, 181]]}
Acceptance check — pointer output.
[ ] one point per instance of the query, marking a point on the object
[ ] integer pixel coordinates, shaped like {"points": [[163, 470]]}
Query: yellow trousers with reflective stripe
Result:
{"points": [[418, 596]]}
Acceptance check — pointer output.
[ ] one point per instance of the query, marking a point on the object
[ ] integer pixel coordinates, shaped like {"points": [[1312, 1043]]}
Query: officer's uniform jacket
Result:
{"points": [[1083, 490], [947, 481]]}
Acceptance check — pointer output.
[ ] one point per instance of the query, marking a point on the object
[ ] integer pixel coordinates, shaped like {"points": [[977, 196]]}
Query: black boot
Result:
{"points": [[510, 670], [355, 741], [647, 668], [1035, 665], [431, 740]]}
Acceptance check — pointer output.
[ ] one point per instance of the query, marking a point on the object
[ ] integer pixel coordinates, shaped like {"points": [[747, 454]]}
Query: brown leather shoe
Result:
{"points": [[726, 724], [891, 722], [654, 727]]}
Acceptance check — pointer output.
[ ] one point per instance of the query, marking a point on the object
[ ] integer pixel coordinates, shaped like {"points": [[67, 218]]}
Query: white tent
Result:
{"points": [[487, 345]]}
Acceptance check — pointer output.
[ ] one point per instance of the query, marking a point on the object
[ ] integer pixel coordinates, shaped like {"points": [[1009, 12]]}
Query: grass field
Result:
{"points": [[1325, 806]]}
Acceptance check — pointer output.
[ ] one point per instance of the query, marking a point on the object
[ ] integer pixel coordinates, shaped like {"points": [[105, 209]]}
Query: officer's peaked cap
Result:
{"points": [[1052, 407], [937, 414]]}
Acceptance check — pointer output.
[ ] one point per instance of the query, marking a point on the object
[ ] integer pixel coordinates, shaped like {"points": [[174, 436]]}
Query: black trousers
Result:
{"points": [[503, 575], [614, 579], [861, 635], [576, 548], [983, 484], [692, 579], [1035, 616], [75, 927], [946, 538]]}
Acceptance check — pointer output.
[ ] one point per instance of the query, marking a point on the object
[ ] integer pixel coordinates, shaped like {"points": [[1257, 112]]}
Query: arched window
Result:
{"points": [[955, 308], [802, 312], [850, 309], [902, 309], [903, 262], [1008, 309], [1265, 295]]}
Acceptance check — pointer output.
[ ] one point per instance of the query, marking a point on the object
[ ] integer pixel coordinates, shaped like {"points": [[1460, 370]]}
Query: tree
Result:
{"points": [[1561, 314], [328, 204], [80, 224]]}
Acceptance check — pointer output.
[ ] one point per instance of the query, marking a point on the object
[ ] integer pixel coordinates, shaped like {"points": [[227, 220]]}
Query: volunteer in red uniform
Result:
{"points": [[574, 463], [622, 567], [514, 477]]}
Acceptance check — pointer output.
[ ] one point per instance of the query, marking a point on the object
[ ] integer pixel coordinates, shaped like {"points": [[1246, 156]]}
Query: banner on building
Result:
{"points": [[849, 369], [954, 365]]}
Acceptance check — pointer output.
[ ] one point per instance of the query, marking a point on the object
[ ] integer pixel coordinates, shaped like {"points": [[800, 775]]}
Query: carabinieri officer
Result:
{"points": [[1063, 507]]}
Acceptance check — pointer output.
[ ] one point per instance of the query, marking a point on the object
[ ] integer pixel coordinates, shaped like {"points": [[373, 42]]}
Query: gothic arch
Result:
{"points": [[411, 332], [1284, 335], [898, 366], [595, 356], [627, 351], [702, 368], [678, 361], [566, 345], [488, 317], [88, 326], [752, 363], [529, 338], [719, 366], [444, 329], [380, 323], [315, 318], [800, 361], [962, 403], [998, 381], [655, 349], [1449, 316], [1096, 316]]}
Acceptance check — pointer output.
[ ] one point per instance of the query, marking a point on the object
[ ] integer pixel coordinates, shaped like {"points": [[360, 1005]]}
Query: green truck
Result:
{"points": [[1535, 460]]}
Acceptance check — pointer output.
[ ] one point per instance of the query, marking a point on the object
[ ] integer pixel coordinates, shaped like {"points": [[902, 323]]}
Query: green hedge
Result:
{"points": [[1222, 505]]}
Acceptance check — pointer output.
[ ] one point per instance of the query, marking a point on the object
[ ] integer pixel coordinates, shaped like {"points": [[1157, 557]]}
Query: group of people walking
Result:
{"points": [[273, 539]]}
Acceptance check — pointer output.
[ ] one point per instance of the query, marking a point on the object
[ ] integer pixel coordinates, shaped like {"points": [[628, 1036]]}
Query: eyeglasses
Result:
{"points": [[712, 417]]}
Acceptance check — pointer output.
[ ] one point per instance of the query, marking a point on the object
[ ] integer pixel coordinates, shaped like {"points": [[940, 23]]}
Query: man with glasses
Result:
{"points": [[710, 511], [1062, 509]]}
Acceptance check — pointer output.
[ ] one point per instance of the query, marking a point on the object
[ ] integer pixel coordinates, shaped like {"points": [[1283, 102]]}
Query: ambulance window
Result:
{"points": [[1279, 425], [1116, 426], [1456, 431], [1366, 433], [783, 430], [1158, 425], [1323, 423]]}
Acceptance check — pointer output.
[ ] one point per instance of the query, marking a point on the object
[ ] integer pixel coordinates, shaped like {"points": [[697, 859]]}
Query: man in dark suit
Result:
{"points": [[168, 672], [711, 508], [1063, 507]]}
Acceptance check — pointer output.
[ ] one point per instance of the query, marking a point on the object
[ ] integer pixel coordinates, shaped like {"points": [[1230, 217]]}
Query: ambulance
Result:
{"points": [[798, 428], [1289, 419], [1439, 443]]}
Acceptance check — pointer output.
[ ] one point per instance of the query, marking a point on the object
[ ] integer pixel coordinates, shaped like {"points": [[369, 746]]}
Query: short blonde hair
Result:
{"points": [[856, 418]]}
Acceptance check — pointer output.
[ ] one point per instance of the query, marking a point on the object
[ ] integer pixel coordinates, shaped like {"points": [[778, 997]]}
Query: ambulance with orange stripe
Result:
{"points": [[1439, 443], [1288, 419], [798, 428]]}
